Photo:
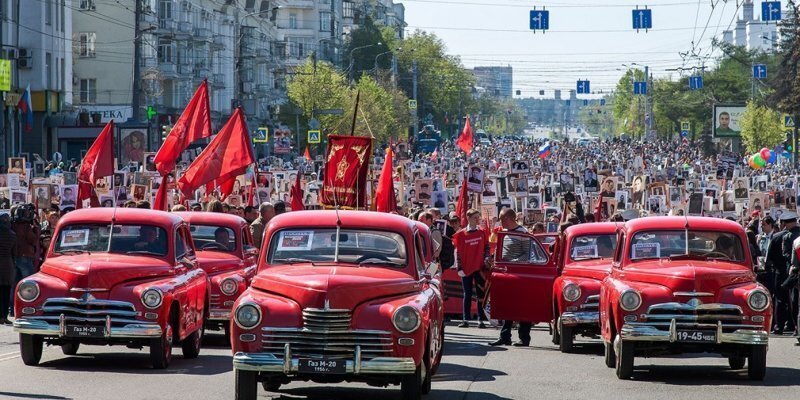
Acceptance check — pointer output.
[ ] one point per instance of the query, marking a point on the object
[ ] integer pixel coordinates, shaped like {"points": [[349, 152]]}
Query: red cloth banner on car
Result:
{"points": [[346, 166]]}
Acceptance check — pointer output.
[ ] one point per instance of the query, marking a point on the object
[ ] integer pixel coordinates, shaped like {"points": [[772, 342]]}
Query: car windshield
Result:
{"points": [[125, 239], [355, 246], [593, 246], [210, 237], [704, 244]]}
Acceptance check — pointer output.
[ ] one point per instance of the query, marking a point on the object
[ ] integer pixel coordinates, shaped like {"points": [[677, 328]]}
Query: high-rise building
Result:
{"points": [[497, 81], [383, 13], [751, 33], [309, 27]]}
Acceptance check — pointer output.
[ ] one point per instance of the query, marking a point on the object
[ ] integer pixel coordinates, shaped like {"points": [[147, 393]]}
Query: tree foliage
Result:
{"points": [[761, 127], [786, 96]]}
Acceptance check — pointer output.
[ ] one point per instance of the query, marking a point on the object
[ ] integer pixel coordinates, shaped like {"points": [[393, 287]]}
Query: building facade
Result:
{"points": [[496, 81], [383, 12], [310, 28], [752, 33]]}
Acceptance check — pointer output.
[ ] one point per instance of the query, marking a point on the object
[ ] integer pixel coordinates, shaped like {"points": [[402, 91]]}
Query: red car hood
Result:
{"points": [[341, 286], [688, 276], [594, 269], [214, 262], [103, 271]]}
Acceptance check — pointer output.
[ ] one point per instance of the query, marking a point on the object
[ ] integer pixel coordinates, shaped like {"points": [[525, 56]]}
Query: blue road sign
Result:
{"points": [[586, 102], [695, 82], [771, 11], [760, 71], [684, 133], [583, 87], [602, 102], [640, 87], [540, 20], [642, 19]]}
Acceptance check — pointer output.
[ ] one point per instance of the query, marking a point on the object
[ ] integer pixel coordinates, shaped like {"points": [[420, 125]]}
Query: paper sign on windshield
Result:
{"points": [[589, 251], [645, 250], [74, 238], [295, 240]]}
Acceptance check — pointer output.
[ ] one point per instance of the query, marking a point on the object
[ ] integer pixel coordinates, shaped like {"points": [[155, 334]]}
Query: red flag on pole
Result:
{"points": [[97, 163], [465, 141], [297, 195], [307, 155], [228, 155], [463, 203], [385, 200], [193, 124]]}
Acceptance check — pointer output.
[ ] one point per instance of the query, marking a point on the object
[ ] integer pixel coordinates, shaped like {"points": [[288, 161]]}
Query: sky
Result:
{"points": [[587, 39]]}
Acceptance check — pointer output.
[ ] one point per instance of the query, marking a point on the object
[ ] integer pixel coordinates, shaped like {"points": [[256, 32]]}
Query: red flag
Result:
{"points": [[228, 155], [345, 181], [297, 195], [97, 163], [598, 211], [463, 203], [465, 141], [385, 200], [307, 155]]}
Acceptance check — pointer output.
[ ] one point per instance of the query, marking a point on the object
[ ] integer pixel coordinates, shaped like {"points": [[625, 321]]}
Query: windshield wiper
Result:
{"points": [[73, 251], [144, 252], [688, 257], [292, 261], [587, 258], [382, 262]]}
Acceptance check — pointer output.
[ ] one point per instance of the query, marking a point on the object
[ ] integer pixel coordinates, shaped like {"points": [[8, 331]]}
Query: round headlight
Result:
{"points": [[406, 319], [247, 316], [572, 292], [630, 300], [28, 291], [758, 300], [152, 298], [228, 286]]}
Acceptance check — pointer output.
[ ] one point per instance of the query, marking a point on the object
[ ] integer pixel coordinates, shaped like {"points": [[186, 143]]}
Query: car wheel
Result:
{"points": [[161, 349], [736, 362], [624, 360], [191, 345], [611, 358], [246, 388], [566, 337], [757, 363], [70, 348], [30, 348], [271, 386], [438, 360], [226, 329], [426, 381], [411, 385]]}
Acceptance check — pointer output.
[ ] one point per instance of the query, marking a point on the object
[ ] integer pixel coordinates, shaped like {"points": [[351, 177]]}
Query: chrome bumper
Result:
{"points": [[39, 327], [580, 318], [641, 332], [217, 314], [264, 362]]}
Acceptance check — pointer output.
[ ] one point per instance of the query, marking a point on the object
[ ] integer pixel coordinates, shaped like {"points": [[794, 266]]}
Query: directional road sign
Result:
{"points": [[261, 135], [602, 102], [642, 19], [313, 123], [640, 87], [586, 102], [313, 137], [695, 82], [760, 71], [771, 11], [540, 20], [583, 87], [788, 121]]}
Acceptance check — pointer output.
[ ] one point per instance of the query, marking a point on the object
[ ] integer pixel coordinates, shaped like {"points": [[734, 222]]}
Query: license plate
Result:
{"points": [[85, 331], [321, 366], [697, 336]]}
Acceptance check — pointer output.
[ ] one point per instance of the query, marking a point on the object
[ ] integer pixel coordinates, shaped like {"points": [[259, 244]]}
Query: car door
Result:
{"points": [[551, 243], [521, 282]]}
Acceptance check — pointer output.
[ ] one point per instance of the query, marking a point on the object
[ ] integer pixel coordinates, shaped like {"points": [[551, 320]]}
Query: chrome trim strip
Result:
{"points": [[580, 318], [287, 358], [89, 290], [643, 333], [687, 307], [73, 300], [305, 330], [41, 327], [693, 294], [262, 362], [357, 363], [219, 315]]}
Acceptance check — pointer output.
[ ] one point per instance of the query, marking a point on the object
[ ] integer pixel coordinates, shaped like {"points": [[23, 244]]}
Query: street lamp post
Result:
{"points": [[375, 68], [350, 67]]}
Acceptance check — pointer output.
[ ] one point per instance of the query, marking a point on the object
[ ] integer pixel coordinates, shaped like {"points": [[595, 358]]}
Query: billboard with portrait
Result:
{"points": [[726, 120]]}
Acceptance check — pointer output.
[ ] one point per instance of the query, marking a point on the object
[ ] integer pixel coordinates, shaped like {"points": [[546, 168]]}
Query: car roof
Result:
{"points": [[679, 223], [121, 216], [593, 228], [349, 219], [212, 218]]}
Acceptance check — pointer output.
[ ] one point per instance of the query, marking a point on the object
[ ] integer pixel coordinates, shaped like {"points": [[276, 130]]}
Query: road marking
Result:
{"points": [[9, 356]]}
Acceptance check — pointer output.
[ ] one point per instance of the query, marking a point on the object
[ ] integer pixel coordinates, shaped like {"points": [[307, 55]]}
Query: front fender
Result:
{"points": [[589, 287], [49, 286], [276, 311]]}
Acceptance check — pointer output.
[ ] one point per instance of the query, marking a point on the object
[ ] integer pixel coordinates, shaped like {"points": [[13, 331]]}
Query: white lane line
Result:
{"points": [[9, 356]]}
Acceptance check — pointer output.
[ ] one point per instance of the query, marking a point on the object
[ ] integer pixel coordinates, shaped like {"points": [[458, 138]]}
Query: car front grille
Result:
{"points": [[702, 316], [317, 319], [93, 312], [213, 301], [592, 303], [307, 343]]}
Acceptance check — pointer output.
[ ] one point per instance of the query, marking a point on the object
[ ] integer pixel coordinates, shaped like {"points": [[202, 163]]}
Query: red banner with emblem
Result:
{"points": [[346, 166]]}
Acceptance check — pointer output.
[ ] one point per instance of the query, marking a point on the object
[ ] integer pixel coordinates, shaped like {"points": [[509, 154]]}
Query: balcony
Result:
{"points": [[219, 42], [169, 69], [184, 29], [263, 53], [301, 4], [297, 31], [186, 70], [218, 81], [263, 88], [148, 21], [166, 27], [201, 71], [202, 34]]}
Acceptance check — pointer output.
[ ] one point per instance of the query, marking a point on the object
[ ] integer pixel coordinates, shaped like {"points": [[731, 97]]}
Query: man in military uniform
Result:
{"points": [[780, 267]]}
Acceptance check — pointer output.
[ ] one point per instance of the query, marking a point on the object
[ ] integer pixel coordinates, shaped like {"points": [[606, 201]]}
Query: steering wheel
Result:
{"points": [[372, 256], [213, 245], [717, 254]]}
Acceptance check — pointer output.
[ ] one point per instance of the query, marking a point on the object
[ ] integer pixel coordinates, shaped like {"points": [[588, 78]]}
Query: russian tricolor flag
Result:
{"points": [[544, 150], [26, 108]]}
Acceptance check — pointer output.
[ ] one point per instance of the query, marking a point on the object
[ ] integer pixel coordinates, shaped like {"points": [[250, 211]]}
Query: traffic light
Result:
{"points": [[165, 129], [787, 144]]}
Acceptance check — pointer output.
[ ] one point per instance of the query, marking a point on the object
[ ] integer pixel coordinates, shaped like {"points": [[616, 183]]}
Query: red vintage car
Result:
{"points": [[684, 285], [585, 260], [226, 252], [340, 296], [115, 276]]}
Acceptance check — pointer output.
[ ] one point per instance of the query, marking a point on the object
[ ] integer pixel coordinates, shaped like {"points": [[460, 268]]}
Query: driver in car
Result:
{"points": [[604, 247], [150, 241], [223, 238]]}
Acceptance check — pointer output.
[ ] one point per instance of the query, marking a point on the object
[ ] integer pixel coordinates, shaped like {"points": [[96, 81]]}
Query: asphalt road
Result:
{"points": [[470, 370]]}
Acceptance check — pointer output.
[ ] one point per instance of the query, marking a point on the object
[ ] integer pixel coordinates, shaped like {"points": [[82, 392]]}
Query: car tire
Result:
{"points": [[435, 367], [246, 385], [566, 337], [271, 386], [610, 357], [161, 349], [30, 348], [70, 348], [736, 362], [191, 345], [757, 363], [411, 385], [624, 360], [226, 330]]}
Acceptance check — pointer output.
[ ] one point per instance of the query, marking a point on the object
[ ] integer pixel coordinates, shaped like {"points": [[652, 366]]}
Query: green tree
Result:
{"points": [[317, 87], [378, 115], [364, 45], [761, 127], [786, 95], [629, 108], [597, 120]]}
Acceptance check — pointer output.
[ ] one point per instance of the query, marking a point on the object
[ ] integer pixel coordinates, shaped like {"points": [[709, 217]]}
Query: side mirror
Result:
{"points": [[250, 251], [186, 262], [431, 269]]}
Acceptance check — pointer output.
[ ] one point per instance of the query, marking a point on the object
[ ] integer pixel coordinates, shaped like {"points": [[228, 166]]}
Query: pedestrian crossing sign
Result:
{"points": [[313, 137], [685, 125], [788, 121], [412, 104], [261, 135]]}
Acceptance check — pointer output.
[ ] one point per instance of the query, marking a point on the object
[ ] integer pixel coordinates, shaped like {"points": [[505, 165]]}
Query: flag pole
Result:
{"points": [[355, 114]]}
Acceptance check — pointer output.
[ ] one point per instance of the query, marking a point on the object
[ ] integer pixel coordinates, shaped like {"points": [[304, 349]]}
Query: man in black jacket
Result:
{"points": [[783, 305]]}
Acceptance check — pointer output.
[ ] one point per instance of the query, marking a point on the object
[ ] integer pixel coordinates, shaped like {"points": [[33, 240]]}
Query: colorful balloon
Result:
{"points": [[752, 162], [764, 153], [772, 157], [758, 160]]}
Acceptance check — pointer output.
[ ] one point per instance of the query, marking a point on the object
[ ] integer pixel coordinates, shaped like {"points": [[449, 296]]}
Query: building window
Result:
{"points": [[325, 21], [87, 5], [166, 51], [88, 91], [62, 10], [48, 69], [347, 9], [48, 12], [165, 9], [87, 41], [292, 21], [62, 85]]}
